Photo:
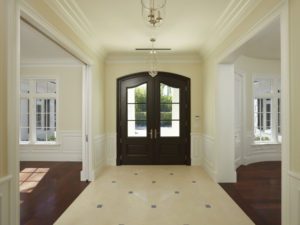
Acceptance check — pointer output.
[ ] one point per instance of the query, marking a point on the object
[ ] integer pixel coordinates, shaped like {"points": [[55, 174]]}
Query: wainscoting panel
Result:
{"points": [[5, 183], [111, 149], [209, 157], [259, 152], [99, 159], [196, 149], [68, 149], [294, 201]]}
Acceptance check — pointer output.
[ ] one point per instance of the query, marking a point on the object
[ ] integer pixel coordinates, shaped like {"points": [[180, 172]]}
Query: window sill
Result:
{"points": [[40, 144], [265, 143]]}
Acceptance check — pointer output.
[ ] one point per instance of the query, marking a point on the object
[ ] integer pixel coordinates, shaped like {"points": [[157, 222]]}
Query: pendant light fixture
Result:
{"points": [[153, 59], [153, 11]]}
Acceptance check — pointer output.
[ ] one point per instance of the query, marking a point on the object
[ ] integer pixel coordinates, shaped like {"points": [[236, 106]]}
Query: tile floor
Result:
{"points": [[154, 195]]}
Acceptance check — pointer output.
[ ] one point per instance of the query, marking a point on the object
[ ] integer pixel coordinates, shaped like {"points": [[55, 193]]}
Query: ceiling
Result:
{"points": [[117, 26], [264, 45], [35, 47]]}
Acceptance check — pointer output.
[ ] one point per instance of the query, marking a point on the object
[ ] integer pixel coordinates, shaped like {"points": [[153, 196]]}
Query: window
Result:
{"points": [[137, 111], [266, 110], [169, 111], [38, 110]]}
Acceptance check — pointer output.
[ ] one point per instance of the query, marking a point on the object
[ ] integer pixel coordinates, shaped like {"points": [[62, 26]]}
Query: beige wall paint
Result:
{"points": [[211, 61], [98, 110], [250, 67], [69, 92], [294, 84], [3, 96], [116, 70]]}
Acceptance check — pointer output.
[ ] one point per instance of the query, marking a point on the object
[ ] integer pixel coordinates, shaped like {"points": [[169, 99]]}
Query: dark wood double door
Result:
{"points": [[153, 121]]}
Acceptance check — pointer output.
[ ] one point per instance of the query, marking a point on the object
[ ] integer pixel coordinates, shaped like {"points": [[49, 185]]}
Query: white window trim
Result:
{"points": [[274, 96], [32, 96]]}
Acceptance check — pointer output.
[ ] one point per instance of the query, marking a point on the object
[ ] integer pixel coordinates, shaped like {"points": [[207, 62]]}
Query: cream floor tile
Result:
{"points": [[154, 195]]}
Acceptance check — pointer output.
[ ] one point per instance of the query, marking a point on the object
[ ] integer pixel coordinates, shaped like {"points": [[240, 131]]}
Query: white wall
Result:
{"points": [[250, 68], [224, 119], [69, 124]]}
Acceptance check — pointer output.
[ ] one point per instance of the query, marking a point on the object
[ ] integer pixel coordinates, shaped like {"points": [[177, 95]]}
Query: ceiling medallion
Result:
{"points": [[153, 11]]}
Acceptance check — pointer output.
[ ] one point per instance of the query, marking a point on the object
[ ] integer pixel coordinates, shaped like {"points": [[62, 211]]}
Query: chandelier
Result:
{"points": [[153, 59], [154, 11]]}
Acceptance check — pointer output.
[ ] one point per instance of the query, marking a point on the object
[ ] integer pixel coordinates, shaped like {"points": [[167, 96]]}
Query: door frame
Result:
{"points": [[243, 116], [14, 11], [280, 11], [30, 16], [118, 116]]}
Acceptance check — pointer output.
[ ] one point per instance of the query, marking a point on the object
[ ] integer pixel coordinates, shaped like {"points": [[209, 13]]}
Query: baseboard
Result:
{"points": [[97, 171], [197, 162], [5, 201], [210, 170]]}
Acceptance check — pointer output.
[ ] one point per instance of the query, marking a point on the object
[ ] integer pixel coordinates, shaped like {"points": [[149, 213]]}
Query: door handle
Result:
{"points": [[151, 134]]}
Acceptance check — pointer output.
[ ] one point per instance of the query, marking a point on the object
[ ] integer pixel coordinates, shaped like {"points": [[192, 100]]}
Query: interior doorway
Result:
{"points": [[153, 120]]}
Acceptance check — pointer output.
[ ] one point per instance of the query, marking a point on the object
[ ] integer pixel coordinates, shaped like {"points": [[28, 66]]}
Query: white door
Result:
{"points": [[238, 121]]}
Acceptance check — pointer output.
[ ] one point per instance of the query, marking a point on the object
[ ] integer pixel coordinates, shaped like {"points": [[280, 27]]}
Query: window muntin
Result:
{"points": [[266, 109], [169, 111], [137, 111], [24, 120], [263, 119], [38, 111]]}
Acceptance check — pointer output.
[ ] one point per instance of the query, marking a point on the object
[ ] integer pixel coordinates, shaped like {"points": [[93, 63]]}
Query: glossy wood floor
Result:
{"points": [[47, 189], [258, 192]]}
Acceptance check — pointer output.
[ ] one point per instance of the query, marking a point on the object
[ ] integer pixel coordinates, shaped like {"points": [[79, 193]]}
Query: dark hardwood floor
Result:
{"points": [[258, 192], [47, 189]]}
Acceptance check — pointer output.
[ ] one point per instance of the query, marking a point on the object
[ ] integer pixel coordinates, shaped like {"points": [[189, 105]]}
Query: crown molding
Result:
{"points": [[38, 62], [232, 16], [37, 20], [145, 58], [74, 17]]}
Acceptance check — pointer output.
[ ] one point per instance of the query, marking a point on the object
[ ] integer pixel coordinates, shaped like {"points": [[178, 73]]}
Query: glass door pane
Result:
{"points": [[169, 111], [137, 111]]}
